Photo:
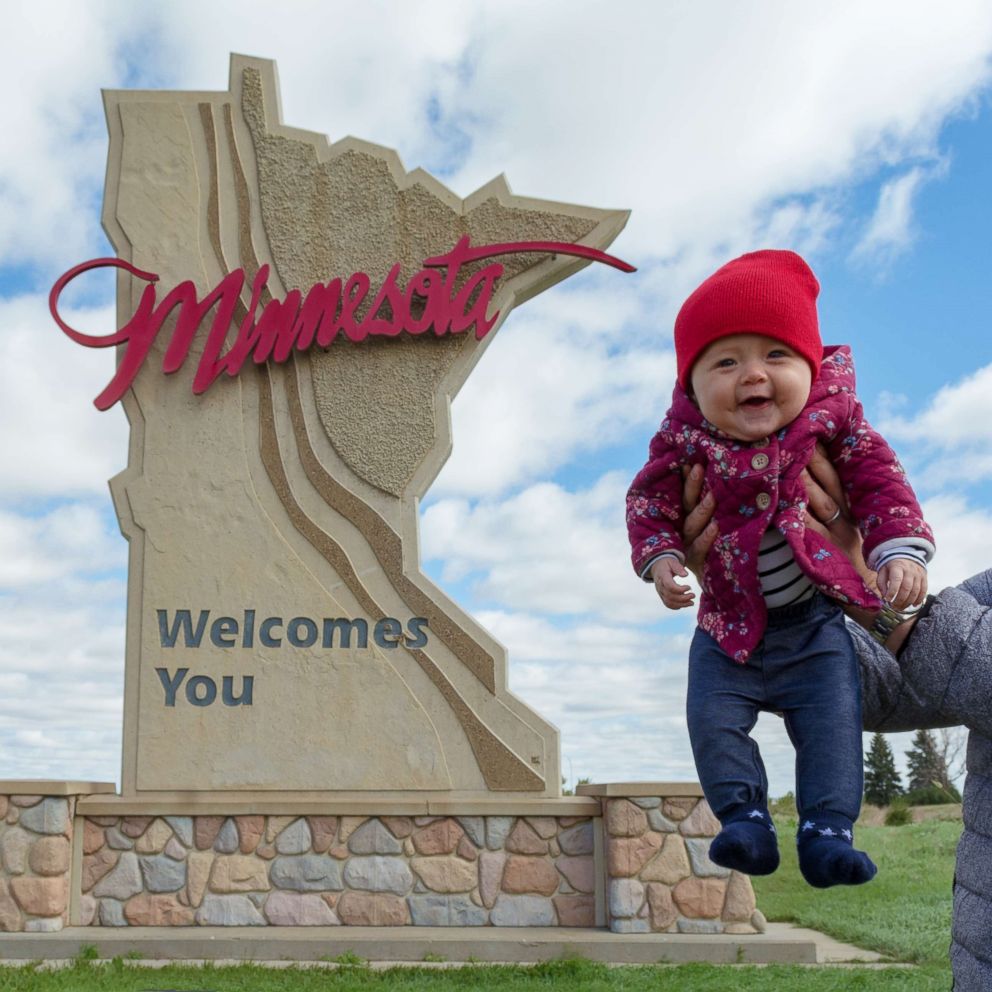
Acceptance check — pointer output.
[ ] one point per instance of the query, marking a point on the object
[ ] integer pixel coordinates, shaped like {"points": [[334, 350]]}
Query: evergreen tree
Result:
{"points": [[882, 783], [926, 766]]}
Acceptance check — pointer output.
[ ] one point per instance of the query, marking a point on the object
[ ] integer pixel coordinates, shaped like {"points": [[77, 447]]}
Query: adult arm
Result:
{"points": [[943, 676], [943, 673]]}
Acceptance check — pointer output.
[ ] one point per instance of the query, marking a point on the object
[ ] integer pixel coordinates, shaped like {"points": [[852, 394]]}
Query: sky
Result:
{"points": [[857, 134]]}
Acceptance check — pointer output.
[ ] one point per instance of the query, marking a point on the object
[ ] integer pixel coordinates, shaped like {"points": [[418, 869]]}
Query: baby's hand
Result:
{"points": [[902, 582], [673, 595]]}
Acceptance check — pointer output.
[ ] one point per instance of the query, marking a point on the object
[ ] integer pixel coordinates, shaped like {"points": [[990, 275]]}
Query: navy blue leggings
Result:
{"points": [[805, 668]]}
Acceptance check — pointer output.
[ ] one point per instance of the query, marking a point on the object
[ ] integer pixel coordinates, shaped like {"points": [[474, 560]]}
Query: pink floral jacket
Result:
{"points": [[758, 485]]}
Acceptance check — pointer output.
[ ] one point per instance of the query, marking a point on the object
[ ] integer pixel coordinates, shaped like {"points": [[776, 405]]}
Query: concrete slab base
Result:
{"points": [[780, 944]]}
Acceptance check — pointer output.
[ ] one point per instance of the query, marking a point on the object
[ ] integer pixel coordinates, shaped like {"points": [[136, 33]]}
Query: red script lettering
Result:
{"points": [[429, 302]]}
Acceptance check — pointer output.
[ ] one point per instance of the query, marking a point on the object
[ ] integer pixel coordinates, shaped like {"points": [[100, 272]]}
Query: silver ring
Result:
{"points": [[834, 517]]}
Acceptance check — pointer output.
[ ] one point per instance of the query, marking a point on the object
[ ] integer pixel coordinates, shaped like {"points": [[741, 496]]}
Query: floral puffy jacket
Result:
{"points": [[758, 485]]}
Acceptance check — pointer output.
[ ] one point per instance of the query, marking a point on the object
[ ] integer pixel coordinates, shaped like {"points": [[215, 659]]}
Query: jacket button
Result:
{"points": [[760, 461], [763, 501]]}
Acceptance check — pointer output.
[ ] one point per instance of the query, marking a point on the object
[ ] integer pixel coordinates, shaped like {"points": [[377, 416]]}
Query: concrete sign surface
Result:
{"points": [[281, 638]]}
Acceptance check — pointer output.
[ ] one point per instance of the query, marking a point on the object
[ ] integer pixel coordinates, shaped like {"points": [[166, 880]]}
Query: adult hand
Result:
{"points": [[829, 515], [699, 530]]}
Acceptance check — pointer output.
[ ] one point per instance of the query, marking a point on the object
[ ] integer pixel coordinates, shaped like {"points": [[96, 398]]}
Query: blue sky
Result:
{"points": [[860, 136]]}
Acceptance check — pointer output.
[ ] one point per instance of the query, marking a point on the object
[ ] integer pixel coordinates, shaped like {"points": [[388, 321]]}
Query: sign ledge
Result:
{"points": [[610, 789], [371, 805], [53, 787]]}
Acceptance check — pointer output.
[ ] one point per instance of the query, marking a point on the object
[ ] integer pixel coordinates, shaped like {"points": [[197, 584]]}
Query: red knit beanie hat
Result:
{"points": [[764, 292]]}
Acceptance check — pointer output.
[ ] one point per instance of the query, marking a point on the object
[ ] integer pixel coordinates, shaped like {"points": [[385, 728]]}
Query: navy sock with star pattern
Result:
{"points": [[747, 843], [826, 852]]}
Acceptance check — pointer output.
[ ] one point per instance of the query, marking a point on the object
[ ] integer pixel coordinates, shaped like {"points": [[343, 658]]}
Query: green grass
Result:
{"points": [[564, 975], [904, 913]]}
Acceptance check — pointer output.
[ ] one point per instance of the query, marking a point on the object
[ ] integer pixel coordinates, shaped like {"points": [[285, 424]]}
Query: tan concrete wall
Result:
{"points": [[291, 491]]}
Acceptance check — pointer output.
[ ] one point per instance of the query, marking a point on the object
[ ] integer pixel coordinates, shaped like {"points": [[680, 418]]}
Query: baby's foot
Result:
{"points": [[748, 845], [827, 855]]}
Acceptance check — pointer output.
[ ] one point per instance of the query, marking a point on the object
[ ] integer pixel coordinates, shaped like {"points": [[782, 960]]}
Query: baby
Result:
{"points": [[756, 391]]}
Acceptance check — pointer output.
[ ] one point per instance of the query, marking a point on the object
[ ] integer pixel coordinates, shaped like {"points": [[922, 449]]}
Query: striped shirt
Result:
{"points": [[783, 582]]}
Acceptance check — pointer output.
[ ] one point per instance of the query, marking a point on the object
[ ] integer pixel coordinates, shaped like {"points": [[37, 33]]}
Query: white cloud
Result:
{"points": [[62, 665], [964, 540], [544, 549], [949, 439], [701, 116], [960, 414], [890, 230], [616, 692], [533, 638], [53, 154], [546, 393], [69, 538], [61, 446], [368, 69]]}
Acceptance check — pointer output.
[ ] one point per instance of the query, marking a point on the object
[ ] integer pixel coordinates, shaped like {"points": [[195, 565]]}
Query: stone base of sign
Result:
{"points": [[659, 875], [630, 858], [37, 826]]}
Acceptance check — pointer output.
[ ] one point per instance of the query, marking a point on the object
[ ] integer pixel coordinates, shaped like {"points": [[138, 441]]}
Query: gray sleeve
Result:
{"points": [[944, 676], [979, 587], [888, 701]]}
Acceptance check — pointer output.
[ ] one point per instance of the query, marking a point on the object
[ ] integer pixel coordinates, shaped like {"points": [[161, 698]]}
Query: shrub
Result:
{"points": [[898, 815], [933, 795], [783, 806]]}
